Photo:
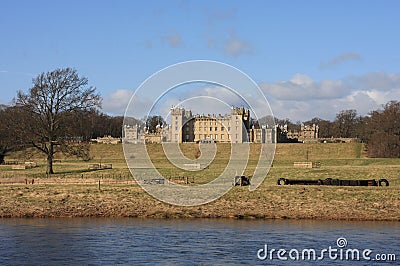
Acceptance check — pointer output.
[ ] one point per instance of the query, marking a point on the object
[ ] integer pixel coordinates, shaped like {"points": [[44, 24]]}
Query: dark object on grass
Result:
{"points": [[334, 182], [241, 181]]}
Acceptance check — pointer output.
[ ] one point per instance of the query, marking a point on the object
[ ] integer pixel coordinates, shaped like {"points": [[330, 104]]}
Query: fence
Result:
{"points": [[65, 178]]}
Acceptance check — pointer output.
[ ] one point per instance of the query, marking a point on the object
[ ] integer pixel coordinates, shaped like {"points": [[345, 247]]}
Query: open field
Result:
{"points": [[74, 190]]}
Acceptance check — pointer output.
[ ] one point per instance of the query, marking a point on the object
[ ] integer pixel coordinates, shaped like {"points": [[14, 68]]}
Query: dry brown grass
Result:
{"points": [[75, 191], [129, 200]]}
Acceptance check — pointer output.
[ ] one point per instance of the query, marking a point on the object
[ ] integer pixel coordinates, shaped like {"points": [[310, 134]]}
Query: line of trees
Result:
{"points": [[380, 129], [347, 124], [61, 113]]}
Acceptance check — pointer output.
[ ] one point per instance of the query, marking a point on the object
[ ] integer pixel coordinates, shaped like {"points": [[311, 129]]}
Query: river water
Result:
{"points": [[83, 241]]}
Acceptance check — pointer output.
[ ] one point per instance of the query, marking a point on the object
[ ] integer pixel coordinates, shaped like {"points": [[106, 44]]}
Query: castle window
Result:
{"points": [[216, 128], [222, 128], [222, 136], [216, 136], [210, 128]]}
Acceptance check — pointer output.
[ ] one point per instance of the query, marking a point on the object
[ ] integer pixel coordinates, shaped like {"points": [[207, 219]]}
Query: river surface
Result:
{"points": [[84, 241]]}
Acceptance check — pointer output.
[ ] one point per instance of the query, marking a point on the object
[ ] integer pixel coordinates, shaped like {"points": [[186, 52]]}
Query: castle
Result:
{"points": [[307, 133], [235, 127]]}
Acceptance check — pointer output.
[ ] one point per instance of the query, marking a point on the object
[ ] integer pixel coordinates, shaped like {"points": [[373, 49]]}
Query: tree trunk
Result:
{"points": [[50, 154], [3, 153]]}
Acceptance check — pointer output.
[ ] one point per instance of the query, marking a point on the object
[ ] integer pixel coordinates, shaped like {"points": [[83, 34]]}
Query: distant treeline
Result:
{"points": [[380, 129], [80, 125]]}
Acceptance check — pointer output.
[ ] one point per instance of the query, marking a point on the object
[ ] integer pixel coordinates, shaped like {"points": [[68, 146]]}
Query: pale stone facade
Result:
{"points": [[307, 133], [263, 135], [132, 134], [221, 128], [186, 127]]}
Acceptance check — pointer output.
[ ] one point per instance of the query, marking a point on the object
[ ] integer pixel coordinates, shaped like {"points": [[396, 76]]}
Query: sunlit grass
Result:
{"points": [[74, 190]]}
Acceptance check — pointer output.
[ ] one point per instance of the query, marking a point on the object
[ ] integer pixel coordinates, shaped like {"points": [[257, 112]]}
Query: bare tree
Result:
{"points": [[11, 138], [345, 123], [6, 140], [384, 129], [53, 98]]}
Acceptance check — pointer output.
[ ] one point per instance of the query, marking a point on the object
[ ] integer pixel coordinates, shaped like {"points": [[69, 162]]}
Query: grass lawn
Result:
{"points": [[74, 191]]}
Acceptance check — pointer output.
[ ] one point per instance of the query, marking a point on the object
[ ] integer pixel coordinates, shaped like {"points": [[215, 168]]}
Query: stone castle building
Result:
{"points": [[186, 127], [307, 133], [222, 128]]}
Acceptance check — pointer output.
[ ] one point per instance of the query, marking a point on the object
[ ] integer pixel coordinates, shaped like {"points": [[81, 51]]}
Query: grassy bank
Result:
{"points": [[74, 191]]}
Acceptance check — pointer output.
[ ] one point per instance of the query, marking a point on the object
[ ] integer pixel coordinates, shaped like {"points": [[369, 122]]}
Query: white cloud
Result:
{"points": [[302, 87], [302, 98], [300, 79], [299, 99], [116, 102], [200, 99], [376, 81]]}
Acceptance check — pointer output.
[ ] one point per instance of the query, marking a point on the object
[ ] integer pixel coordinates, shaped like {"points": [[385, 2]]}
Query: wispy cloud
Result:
{"points": [[149, 44], [173, 40], [215, 17], [235, 46], [342, 58]]}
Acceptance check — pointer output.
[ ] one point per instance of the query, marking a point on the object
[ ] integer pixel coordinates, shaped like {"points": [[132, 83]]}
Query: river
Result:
{"points": [[84, 241]]}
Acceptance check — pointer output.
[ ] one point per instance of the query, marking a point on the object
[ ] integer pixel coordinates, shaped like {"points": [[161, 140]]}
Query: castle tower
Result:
{"points": [[240, 125], [181, 130]]}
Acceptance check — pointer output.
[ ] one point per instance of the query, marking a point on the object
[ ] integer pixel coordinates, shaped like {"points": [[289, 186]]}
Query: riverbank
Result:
{"points": [[48, 198]]}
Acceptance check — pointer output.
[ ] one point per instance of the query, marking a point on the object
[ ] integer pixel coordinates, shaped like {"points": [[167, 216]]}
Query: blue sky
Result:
{"points": [[310, 58]]}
